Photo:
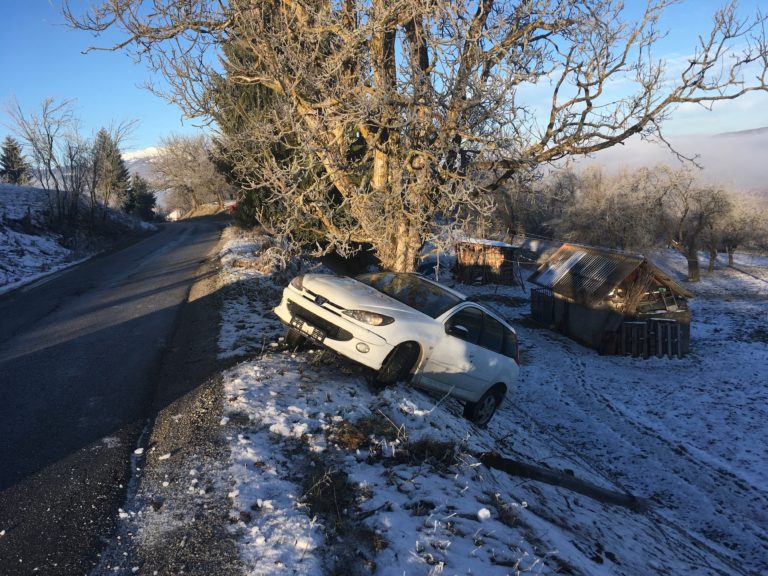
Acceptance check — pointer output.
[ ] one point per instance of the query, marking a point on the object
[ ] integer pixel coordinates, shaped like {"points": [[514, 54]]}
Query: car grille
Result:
{"points": [[331, 330], [323, 302]]}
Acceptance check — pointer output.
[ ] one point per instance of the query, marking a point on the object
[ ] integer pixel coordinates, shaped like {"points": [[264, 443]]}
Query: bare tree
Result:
{"points": [[688, 211], [745, 225], [70, 166], [76, 168], [616, 211], [51, 136], [519, 206], [385, 117], [184, 167]]}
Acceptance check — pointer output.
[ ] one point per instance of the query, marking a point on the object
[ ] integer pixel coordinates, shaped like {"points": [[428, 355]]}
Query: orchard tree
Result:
{"points": [[616, 211], [689, 210], [389, 121], [14, 167], [745, 225]]}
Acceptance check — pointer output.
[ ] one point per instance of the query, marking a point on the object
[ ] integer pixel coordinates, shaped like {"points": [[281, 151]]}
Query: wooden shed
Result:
{"points": [[614, 302], [485, 261]]}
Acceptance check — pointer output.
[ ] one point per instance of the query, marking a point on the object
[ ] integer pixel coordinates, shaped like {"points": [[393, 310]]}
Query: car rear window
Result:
{"points": [[413, 291], [493, 335]]}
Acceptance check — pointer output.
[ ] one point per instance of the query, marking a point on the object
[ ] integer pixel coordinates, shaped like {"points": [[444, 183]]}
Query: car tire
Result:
{"points": [[481, 412], [398, 364], [294, 339]]}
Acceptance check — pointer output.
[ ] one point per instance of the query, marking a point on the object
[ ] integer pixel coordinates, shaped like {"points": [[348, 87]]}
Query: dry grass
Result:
{"points": [[364, 432], [350, 544], [329, 494], [438, 454], [347, 436], [204, 210]]}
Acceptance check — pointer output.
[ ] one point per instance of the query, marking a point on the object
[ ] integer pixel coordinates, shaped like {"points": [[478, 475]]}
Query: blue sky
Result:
{"points": [[40, 57]]}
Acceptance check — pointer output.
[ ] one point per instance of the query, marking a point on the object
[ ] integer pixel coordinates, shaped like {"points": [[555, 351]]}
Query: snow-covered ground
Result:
{"points": [[27, 252], [330, 475]]}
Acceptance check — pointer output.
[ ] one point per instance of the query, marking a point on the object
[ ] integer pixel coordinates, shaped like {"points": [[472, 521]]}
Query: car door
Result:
{"points": [[458, 362]]}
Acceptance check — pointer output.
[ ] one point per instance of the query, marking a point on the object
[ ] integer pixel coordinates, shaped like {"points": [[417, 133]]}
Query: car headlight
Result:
{"points": [[371, 318], [298, 283]]}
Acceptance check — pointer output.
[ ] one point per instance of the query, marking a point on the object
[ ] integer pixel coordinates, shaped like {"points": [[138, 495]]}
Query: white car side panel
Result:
{"points": [[462, 368]]}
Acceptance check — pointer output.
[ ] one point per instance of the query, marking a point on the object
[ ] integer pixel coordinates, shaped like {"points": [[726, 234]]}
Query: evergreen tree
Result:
{"points": [[237, 153], [110, 176], [140, 200], [14, 168]]}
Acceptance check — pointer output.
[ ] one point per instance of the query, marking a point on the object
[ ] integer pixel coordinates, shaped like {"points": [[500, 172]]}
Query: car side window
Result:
{"points": [[493, 335], [471, 319]]}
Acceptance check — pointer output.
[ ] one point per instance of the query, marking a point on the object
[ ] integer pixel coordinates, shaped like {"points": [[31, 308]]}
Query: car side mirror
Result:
{"points": [[457, 330]]}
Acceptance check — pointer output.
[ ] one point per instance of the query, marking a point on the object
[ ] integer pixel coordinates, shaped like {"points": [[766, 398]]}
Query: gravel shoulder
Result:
{"points": [[176, 514]]}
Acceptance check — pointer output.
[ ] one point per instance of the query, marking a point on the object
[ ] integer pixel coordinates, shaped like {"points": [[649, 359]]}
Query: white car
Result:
{"points": [[404, 325]]}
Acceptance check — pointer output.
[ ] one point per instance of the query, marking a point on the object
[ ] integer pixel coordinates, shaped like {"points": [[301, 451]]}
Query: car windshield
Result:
{"points": [[413, 291]]}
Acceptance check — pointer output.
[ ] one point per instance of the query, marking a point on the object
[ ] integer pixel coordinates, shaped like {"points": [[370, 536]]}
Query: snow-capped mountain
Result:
{"points": [[140, 161]]}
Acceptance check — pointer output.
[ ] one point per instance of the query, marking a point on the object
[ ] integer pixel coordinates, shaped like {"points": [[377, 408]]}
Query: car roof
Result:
{"points": [[442, 286], [466, 299]]}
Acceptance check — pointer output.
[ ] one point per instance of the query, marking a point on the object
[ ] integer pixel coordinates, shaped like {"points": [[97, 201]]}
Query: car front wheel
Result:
{"points": [[398, 364], [481, 412]]}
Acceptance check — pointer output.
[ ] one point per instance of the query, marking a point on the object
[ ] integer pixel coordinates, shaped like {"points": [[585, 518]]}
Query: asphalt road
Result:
{"points": [[80, 364]]}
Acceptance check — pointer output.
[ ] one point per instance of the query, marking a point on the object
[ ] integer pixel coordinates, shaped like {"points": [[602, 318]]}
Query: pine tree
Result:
{"points": [[14, 168], [236, 108], [110, 174], [139, 199]]}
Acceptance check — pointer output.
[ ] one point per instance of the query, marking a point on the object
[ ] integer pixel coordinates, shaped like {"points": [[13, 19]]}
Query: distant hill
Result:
{"points": [[743, 133]]}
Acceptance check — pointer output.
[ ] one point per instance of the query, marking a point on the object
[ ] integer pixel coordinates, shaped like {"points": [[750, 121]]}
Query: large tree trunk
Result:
{"points": [[692, 255], [406, 243], [712, 259], [694, 272]]}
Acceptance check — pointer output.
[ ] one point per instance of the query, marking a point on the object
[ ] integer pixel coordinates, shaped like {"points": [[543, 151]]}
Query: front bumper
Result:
{"points": [[323, 323]]}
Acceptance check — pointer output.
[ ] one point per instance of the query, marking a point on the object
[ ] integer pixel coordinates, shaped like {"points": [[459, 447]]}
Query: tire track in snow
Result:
{"points": [[735, 535], [662, 541]]}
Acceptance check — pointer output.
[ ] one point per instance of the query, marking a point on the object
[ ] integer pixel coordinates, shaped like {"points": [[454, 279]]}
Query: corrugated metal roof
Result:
{"points": [[585, 274]]}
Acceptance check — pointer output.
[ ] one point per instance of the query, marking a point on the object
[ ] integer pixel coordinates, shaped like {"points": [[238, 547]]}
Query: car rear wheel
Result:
{"points": [[398, 364], [481, 412], [294, 338]]}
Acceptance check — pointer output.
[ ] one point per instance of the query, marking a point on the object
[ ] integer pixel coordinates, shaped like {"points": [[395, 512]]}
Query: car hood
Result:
{"points": [[350, 294]]}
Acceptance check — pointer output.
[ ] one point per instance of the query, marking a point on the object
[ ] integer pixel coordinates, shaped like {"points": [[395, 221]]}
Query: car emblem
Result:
{"points": [[319, 300]]}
